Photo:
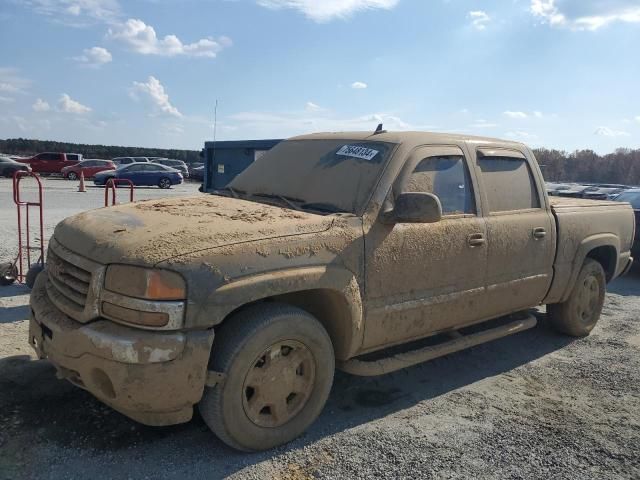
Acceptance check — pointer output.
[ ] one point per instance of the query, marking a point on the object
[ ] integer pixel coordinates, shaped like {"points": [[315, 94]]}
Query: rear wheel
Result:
{"points": [[578, 315], [164, 183], [278, 363], [72, 176], [8, 273]]}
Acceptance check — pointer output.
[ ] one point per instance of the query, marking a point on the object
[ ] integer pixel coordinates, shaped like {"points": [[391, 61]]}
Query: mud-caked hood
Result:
{"points": [[145, 233]]}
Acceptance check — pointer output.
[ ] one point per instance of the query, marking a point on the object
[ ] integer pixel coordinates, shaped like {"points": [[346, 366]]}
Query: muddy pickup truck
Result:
{"points": [[358, 251]]}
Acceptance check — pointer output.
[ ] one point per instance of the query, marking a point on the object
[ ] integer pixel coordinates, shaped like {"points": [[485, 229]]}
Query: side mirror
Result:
{"points": [[417, 207]]}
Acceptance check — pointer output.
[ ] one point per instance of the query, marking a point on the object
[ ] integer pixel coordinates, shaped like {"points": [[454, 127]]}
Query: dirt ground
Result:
{"points": [[534, 405]]}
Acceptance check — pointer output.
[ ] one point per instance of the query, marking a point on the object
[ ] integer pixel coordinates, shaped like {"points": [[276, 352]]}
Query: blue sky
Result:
{"points": [[555, 73]]}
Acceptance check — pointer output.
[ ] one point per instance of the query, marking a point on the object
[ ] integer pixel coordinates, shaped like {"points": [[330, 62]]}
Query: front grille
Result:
{"points": [[70, 283]]}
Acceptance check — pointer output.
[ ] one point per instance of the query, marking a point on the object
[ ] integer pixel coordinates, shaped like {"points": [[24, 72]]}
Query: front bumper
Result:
{"points": [[154, 378]]}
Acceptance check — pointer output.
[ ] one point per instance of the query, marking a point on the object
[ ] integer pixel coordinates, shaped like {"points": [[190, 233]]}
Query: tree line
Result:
{"points": [[621, 166], [28, 147]]}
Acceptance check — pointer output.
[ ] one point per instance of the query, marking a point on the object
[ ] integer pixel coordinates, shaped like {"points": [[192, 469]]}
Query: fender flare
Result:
{"points": [[587, 245], [339, 281]]}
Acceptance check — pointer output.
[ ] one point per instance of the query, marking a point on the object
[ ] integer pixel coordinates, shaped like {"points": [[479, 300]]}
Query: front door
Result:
{"points": [[425, 278]]}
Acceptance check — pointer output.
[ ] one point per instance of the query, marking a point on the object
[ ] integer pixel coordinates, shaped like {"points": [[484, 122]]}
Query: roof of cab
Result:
{"points": [[417, 138]]}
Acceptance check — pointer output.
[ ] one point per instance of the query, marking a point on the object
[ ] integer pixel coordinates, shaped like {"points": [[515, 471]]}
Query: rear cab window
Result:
{"points": [[508, 182]]}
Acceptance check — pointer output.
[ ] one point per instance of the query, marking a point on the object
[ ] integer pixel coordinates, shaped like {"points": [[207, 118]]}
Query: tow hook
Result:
{"points": [[214, 378]]}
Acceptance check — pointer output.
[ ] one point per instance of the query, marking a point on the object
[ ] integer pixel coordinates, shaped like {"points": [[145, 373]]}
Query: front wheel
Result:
{"points": [[278, 363], [578, 315], [164, 183], [72, 176]]}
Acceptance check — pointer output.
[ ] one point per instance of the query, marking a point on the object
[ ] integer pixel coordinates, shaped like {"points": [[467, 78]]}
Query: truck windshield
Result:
{"points": [[332, 175]]}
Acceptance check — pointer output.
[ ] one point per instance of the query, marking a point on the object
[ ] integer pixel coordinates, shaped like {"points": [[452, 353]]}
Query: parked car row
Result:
{"points": [[597, 191]]}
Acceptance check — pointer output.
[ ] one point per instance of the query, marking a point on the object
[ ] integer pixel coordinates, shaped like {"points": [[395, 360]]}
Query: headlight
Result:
{"points": [[149, 284]]}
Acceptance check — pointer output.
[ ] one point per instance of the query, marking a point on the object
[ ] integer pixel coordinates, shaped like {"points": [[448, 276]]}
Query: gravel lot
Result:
{"points": [[535, 405]]}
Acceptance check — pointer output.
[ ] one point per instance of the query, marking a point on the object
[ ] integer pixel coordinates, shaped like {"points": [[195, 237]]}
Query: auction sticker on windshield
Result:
{"points": [[356, 151]]}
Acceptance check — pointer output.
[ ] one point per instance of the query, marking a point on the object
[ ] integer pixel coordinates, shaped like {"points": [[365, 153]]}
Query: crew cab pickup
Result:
{"points": [[52, 162], [326, 252]]}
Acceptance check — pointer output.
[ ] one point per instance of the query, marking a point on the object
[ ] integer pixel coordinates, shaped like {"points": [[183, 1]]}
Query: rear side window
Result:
{"points": [[508, 184], [73, 157], [447, 177]]}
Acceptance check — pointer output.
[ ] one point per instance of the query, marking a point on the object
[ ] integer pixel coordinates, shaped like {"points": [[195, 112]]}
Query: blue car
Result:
{"points": [[142, 174]]}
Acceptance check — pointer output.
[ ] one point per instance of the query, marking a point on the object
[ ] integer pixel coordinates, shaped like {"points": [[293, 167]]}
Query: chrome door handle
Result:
{"points": [[539, 233], [476, 240]]}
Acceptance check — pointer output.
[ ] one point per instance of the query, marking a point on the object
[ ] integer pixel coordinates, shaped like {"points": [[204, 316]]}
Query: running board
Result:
{"points": [[459, 342]]}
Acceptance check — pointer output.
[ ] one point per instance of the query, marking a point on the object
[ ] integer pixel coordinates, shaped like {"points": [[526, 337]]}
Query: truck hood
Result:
{"points": [[149, 232]]}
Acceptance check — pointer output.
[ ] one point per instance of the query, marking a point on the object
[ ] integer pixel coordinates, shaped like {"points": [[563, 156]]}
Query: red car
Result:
{"points": [[88, 167], [52, 162]]}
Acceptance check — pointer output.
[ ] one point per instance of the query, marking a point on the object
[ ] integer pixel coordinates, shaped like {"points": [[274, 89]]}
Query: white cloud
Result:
{"points": [[76, 12], [94, 57], [285, 124], [515, 115], [585, 15], [638, 119], [68, 105], [327, 10], [359, 85], [538, 114], [479, 19], [609, 132], [11, 82], [483, 124], [154, 91], [142, 38], [521, 135], [40, 106], [312, 107]]}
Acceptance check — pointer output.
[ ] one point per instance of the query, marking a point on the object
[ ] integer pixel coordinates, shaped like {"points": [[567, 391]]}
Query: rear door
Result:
{"points": [[52, 162], [520, 230], [134, 173]]}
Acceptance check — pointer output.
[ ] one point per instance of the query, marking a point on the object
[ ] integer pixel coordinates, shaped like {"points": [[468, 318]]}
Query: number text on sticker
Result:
{"points": [[357, 152]]}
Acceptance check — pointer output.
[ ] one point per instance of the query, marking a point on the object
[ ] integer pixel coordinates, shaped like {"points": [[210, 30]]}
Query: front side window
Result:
{"points": [[508, 184], [447, 177]]}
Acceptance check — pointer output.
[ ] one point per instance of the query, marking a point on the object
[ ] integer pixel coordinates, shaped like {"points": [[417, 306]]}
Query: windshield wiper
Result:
{"points": [[322, 207], [288, 200]]}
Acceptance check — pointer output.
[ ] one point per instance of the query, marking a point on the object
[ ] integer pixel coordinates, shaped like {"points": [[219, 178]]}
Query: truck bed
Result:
{"points": [[584, 226]]}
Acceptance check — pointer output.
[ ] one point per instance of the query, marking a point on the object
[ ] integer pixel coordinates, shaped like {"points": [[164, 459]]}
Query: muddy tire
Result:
{"points": [[164, 183], [72, 176], [32, 274], [8, 274], [278, 363], [579, 314]]}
